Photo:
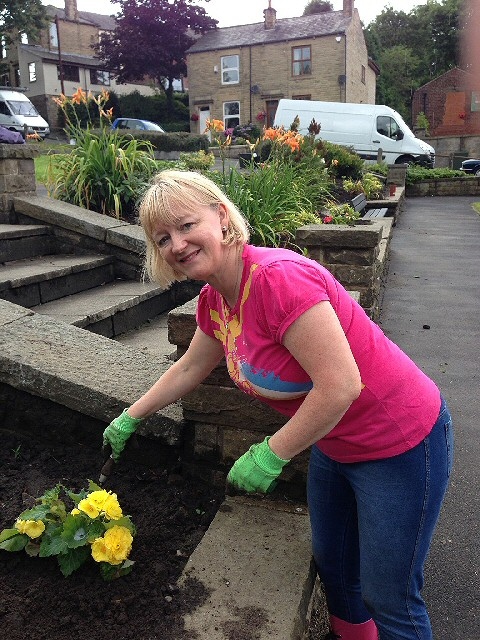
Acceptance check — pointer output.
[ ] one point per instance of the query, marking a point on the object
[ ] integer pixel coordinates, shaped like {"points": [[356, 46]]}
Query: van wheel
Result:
{"points": [[405, 160], [477, 173]]}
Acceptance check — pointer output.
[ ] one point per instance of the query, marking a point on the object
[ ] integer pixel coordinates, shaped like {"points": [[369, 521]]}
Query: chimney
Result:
{"points": [[71, 11], [270, 16], [348, 8]]}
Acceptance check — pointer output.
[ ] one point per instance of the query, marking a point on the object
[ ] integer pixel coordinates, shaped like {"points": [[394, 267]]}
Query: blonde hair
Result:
{"points": [[173, 191]]}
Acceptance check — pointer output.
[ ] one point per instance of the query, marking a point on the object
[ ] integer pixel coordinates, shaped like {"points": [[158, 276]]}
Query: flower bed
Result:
{"points": [[170, 515]]}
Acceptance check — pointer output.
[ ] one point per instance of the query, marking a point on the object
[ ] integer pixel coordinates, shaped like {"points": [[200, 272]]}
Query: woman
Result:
{"points": [[294, 338]]}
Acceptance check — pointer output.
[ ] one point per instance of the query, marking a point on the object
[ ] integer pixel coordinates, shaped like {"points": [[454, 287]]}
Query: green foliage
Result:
{"points": [[416, 173], [368, 184], [21, 16], [178, 141], [317, 6], [422, 122], [334, 213], [154, 108], [412, 49], [199, 161], [341, 162], [105, 173], [273, 199]]}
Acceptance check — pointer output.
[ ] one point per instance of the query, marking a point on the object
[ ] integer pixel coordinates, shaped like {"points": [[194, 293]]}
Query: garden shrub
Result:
{"points": [[175, 141], [154, 108], [342, 162], [416, 173]]}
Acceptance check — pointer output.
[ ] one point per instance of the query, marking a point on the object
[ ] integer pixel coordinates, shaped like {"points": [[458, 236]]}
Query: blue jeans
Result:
{"points": [[372, 525]]}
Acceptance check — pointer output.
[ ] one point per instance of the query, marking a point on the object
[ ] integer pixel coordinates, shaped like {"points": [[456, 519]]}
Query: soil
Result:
{"points": [[171, 514]]}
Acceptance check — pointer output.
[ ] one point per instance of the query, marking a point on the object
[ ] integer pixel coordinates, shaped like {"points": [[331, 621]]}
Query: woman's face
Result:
{"points": [[193, 244]]}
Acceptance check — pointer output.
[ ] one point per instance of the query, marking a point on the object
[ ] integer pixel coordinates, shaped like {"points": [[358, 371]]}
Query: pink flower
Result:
{"points": [[327, 219]]}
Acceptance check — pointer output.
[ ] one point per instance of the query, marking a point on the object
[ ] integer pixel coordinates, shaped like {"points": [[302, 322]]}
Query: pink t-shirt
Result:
{"points": [[398, 404]]}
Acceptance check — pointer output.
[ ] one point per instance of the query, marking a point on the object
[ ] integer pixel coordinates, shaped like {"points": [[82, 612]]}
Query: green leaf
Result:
{"points": [[75, 530], [112, 572], [39, 512], [8, 533], [32, 549], [52, 543], [122, 522], [72, 560], [16, 543]]}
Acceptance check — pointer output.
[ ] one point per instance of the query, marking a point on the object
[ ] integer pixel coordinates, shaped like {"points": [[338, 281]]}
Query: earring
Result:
{"points": [[224, 229]]}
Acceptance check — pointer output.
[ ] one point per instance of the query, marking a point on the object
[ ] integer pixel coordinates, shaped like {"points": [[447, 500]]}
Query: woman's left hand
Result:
{"points": [[257, 470]]}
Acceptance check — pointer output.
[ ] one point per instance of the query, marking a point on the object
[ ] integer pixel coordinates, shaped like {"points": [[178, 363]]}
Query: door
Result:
{"points": [[271, 111], [204, 116]]}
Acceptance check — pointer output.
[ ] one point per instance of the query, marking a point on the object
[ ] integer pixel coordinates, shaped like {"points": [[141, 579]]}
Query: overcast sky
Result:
{"points": [[234, 12]]}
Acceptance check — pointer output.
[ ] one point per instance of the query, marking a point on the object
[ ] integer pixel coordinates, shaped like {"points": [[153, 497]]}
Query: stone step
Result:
{"points": [[19, 241], [34, 281], [111, 309]]}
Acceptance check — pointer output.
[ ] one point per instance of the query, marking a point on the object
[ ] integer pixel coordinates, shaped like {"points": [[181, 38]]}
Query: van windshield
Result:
{"points": [[22, 108]]}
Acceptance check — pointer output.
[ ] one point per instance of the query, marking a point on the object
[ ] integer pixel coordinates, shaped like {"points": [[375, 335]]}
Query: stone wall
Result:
{"points": [[445, 187], [17, 175]]}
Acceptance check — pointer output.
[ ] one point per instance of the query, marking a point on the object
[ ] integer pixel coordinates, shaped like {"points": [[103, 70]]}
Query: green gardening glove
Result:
{"points": [[118, 432], [257, 470]]}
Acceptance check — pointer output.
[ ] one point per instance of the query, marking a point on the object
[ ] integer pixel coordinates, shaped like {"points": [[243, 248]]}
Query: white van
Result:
{"points": [[16, 111], [364, 127]]}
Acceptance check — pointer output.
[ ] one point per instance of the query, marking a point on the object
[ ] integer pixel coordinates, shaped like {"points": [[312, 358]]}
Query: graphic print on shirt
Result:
{"points": [[255, 381]]}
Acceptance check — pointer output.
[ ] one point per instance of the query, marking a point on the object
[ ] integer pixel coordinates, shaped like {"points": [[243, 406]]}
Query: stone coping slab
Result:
{"points": [[80, 370], [256, 562]]}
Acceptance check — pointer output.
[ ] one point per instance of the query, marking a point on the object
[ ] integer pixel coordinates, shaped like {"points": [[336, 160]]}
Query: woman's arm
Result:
{"points": [[317, 341], [201, 357]]}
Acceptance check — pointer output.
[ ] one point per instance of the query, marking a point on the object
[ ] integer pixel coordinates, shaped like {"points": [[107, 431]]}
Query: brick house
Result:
{"points": [[451, 103], [238, 74], [65, 48]]}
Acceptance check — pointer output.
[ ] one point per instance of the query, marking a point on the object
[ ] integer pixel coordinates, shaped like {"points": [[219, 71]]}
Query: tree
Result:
{"points": [[21, 16], [317, 6], [151, 39], [413, 48]]}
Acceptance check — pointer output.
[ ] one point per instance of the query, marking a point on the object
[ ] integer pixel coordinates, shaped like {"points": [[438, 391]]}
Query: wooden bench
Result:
{"points": [[359, 203]]}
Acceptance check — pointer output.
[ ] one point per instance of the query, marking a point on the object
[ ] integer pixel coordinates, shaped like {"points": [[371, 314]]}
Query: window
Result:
{"points": [[230, 69], [32, 71], [4, 110], [98, 76], [301, 61], [231, 114], [363, 74], [70, 72], [387, 126], [53, 35], [24, 38], [302, 97]]}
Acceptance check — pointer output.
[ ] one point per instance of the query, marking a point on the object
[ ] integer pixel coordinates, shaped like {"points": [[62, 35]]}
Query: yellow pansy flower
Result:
{"points": [[114, 547], [33, 528]]}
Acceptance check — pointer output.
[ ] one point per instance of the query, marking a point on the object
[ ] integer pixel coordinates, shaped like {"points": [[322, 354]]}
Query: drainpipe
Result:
{"points": [[60, 64]]}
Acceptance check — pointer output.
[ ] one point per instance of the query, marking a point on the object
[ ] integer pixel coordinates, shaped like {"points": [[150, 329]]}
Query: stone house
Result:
{"points": [[64, 59], [238, 74], [451, 103]]}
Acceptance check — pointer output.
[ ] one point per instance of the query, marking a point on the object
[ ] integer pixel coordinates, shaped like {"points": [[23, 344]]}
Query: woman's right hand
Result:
{"points": [[118, 432]]}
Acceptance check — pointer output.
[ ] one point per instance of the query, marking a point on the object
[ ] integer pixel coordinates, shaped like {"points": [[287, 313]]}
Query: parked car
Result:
{"points": [[471, 166], [136, 125]]}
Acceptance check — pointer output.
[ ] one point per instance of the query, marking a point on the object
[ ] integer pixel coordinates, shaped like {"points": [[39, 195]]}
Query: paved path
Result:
{"points": [[434, 281]]}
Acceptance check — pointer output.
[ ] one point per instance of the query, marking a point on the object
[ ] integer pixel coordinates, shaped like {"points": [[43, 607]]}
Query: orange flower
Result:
{"points": [[214, 125], [60, 100], [293, 143], [272, 134], [79, 96]]}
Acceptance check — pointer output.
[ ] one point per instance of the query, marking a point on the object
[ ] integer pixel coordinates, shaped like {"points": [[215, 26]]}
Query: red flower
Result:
{"points": [[194, 117], [462, 115], [327, 219]]}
